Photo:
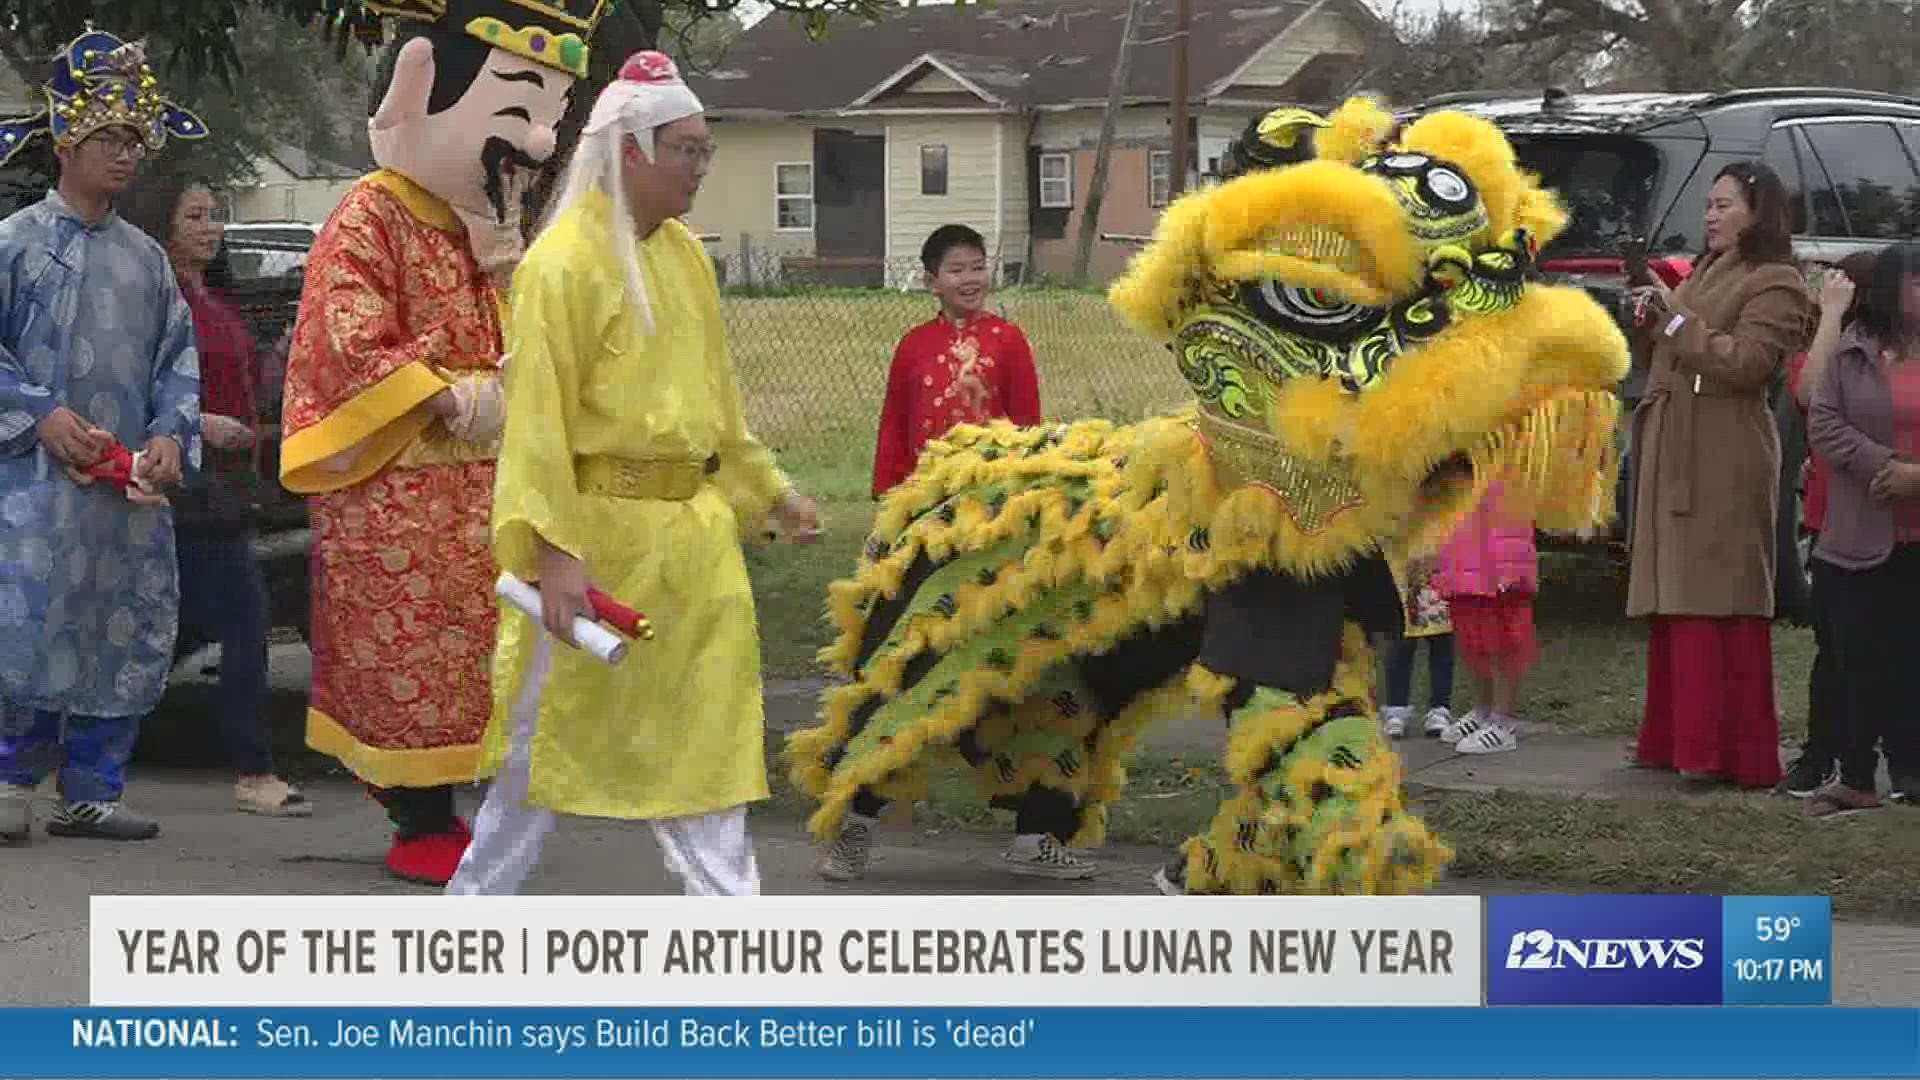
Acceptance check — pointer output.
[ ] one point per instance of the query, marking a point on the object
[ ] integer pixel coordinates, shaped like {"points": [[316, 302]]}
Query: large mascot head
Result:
{"points": [[470, 93], [1357, 315]]}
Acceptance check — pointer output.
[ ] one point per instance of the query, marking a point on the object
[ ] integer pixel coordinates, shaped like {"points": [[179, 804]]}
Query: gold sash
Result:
{"points": [[665, 479]]}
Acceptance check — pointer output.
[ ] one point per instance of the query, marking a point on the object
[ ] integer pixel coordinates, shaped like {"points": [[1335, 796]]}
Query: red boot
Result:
{"points": [[432, 859]]}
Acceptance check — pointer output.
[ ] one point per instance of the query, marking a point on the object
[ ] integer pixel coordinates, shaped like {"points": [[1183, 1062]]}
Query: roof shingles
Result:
{"points": [[1024, 52]]}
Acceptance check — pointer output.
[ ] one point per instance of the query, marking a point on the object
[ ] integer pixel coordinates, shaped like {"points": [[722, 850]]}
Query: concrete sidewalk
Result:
{"points": [[1548, 761]]}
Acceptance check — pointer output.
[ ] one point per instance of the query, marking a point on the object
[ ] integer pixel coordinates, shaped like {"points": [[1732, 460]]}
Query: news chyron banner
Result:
{"points": [[1008, 987], [809, 951]]}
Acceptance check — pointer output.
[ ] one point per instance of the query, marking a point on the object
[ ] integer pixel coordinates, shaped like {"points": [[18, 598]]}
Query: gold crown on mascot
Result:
{"points": [[1359, 318]]}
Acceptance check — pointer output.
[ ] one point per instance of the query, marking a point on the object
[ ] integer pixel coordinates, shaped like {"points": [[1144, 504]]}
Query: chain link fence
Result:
{"points": [[813, 340], [812, 343]]}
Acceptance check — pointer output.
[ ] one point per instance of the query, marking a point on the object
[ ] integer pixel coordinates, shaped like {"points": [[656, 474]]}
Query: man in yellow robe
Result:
{"points": [[392, 403], [627, 463]]}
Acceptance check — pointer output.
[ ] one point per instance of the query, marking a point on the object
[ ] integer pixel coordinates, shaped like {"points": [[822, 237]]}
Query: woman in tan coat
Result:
{"points": [[1706, 488]]}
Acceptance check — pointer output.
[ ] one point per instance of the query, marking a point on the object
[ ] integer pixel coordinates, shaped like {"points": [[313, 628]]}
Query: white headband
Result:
{"points": [[647, 96]]}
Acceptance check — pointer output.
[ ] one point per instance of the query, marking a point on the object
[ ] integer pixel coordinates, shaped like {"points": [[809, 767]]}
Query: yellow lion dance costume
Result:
{"points": [[1369, 350]]}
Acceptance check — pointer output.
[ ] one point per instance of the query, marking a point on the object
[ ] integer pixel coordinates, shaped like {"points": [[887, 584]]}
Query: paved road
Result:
{"points": [[208, 848]]}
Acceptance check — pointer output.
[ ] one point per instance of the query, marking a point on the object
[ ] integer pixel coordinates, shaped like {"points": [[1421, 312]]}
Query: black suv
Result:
{"points": [[1639, 165]]}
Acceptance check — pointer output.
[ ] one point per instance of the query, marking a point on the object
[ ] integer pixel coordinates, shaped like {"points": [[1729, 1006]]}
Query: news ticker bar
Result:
{"points": [[927, 951], [50, 1044]]}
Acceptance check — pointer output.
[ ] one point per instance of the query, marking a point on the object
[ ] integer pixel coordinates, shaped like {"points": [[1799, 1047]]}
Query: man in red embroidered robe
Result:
{"points": [[963, 366], [394, 408]]}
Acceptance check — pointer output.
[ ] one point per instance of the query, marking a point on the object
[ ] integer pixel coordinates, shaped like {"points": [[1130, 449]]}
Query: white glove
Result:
{"points": [[482, 413]]}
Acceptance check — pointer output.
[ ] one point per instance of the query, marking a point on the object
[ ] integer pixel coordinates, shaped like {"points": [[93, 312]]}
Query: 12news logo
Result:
{"points": [[1604, 950], [1540, 950]]}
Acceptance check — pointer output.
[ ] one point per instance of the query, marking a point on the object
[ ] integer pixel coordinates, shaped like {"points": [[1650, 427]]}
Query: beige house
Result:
{"points": [[838, 157], [290, 185]]}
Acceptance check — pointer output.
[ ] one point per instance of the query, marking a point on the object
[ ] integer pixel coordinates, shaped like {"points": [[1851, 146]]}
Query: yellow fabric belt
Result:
{"points": [[665, 479]]}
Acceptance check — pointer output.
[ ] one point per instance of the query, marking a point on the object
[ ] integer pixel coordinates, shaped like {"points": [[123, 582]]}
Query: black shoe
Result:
{"points": [[1805, 777]]}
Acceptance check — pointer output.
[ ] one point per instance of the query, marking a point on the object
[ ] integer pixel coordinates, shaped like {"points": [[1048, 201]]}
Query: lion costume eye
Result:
{"points": [[1449, 186], [1438, 188], [1314, 313]]}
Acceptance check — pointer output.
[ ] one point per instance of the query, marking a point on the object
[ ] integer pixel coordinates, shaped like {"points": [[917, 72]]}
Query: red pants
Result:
{"points": [[1710, 699]]}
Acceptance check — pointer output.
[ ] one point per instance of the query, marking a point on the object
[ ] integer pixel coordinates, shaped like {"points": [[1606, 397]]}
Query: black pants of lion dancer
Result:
{"points": [[430, 836], [418, 812]]}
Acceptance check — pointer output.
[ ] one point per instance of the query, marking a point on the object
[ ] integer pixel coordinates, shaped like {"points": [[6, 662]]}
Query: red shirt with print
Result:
{"points": [[1813, 510], [944, 374]]}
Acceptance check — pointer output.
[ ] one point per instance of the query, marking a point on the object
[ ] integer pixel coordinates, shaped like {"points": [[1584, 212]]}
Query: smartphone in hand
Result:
{"points": [[1634, 254]]}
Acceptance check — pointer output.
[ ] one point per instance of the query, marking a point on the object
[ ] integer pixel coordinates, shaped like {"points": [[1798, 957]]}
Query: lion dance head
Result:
{"points": [[1358, 316]]}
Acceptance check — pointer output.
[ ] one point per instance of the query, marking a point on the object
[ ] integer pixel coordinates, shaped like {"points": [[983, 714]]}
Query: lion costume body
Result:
{"points": [[1357, 320]]}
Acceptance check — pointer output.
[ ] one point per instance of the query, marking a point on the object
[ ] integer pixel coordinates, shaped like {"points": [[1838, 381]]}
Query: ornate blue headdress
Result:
{"points": [[100, 81]]}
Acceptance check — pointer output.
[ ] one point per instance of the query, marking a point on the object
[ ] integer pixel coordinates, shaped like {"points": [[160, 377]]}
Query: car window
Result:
{"points": [[1605, 182], [275, 237], [1874, 183], [1785, 157]]}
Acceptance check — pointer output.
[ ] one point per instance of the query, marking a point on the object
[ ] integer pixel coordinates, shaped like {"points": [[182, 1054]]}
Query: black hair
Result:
{"points": [[1881, 313], [1769, 234], [149, 205], [945, 239], [1858, 267], [458, 59]]}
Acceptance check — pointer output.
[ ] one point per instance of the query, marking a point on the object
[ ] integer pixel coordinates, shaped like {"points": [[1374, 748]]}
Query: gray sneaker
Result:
{"points": [[1171, 879], [16, 815], [100, 821], [1041, 856], [848, 858]]}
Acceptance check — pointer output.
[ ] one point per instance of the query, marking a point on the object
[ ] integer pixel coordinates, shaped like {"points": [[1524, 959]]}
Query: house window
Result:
{"points": [[793, 196], [933, 170], [1160, 178], [1056, 181]]}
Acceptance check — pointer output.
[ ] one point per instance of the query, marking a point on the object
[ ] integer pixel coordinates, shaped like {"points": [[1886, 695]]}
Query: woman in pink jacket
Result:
{"points": [[1489, 571]]}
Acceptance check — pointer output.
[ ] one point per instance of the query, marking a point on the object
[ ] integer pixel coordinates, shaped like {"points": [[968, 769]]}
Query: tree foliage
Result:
{"points": [[293, 95], [200, 33], [1717, 44]]}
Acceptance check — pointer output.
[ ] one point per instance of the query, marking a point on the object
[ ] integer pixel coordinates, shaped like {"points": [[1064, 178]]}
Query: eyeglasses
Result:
{"points": [[701, 152], [117, 147]]}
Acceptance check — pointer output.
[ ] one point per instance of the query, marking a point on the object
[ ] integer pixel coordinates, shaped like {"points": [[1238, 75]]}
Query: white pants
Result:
{"points": [[711, 854]]}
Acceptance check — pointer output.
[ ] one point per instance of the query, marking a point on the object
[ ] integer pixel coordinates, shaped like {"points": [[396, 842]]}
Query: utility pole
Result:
{"points": [[1182, 147], [1103, 156]]}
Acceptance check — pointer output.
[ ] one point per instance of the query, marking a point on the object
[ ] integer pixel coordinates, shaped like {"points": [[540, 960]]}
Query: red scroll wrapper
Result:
{"points": [[115, 467], [619, 616]]}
